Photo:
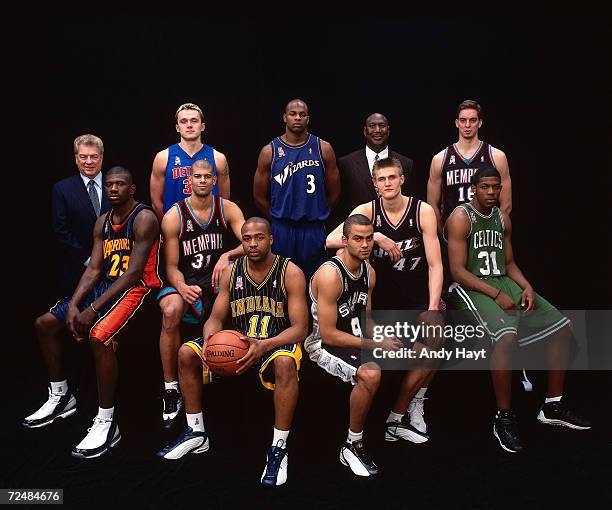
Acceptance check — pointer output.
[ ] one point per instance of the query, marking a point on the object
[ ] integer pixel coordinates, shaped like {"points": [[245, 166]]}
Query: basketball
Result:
{"points": [[223, 349]]}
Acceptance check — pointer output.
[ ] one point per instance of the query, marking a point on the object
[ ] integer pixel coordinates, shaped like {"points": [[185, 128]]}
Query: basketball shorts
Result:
{"points": [[112, 318], [264, 364], [340, 362], [198, 311], [540, 323], [303, 242]]}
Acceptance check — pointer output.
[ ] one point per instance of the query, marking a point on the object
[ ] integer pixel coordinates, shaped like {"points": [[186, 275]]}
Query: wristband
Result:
{"points": [[92, 307], [496, 295]]}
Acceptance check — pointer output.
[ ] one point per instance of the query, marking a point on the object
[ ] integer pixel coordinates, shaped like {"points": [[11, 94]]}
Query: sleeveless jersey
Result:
{"points": [[178, 168], [117, 249], [405, 282], [352, 301], [297, 181], [200, 245], [259, 310], [486, 255], [457, 171]]}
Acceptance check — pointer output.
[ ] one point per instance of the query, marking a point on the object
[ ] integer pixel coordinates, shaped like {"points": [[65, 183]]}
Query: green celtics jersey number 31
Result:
{"points": [[486, 257]]}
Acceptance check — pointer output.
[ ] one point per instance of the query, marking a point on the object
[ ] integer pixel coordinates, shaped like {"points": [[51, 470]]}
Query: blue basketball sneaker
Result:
{"points": [[275, 472], [189, 441]]}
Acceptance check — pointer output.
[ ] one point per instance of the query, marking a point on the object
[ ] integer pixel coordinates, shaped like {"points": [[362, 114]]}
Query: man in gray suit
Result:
{"points": [[356, 168]]}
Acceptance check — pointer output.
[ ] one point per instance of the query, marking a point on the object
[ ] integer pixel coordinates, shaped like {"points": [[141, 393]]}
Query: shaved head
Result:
{"points": [[296, 102], [376, 117], [256, 219], [120, 170]]}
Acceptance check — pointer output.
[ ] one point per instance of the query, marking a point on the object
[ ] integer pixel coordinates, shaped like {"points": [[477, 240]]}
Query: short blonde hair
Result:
{"points": [[388, 163], [90, 140], [189, 106]]}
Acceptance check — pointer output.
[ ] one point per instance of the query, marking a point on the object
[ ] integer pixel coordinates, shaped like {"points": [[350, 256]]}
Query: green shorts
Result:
{"points": [[541, 322]]}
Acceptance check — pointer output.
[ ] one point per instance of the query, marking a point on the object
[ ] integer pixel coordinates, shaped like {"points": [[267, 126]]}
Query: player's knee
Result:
{"points": [[171, 315], [188, 358], [369, 377], [48, 324], [98, 346], [433, 343], [44, 323], [284, 369]]}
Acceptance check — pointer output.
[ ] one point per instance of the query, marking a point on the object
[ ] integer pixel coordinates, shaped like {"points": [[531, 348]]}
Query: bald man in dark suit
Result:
{"points": [[356, 168]]}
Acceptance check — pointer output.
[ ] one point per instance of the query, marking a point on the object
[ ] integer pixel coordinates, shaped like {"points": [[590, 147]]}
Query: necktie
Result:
{"points": [[376, 158], [93, 195]]}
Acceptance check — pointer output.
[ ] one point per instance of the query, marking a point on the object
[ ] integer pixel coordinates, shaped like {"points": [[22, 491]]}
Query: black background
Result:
{"points": [[543, 87]]}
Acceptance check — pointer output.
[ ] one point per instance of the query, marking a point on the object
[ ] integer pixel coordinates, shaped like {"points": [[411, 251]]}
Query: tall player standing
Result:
{"points": [[451, 169], [195, 233], [409, 277], [170, 174], [295, 185], [450, 176]]}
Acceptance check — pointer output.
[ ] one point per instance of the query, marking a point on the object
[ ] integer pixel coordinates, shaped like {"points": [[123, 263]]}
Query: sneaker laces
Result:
{"points": [[361, 451], [98, 423], [417, 404], [564, 411], [274, 458], [171, 399], [47, 406], [54, 398], [508, 420]]}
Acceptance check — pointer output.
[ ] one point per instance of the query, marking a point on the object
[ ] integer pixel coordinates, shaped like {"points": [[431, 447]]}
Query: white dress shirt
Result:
{"points": [[371, 156]]}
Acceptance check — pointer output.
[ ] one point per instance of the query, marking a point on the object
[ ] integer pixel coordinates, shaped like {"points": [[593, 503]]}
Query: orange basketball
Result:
{"points": [[223, 349]]}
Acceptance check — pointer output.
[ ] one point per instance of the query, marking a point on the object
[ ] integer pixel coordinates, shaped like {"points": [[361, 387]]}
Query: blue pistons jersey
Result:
{"points": [[178, 168], [297, 181]]}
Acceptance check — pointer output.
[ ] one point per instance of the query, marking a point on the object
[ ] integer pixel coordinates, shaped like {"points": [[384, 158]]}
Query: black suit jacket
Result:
{"points": [[356, 182], [73, 219]]}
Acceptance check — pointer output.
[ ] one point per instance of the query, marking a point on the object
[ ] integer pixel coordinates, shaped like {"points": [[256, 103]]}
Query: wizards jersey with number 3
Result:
{"points": [[259, 310], [178, 168], [486, 255], [200, 244], [297, 181], [457, 172], [117, 249]]}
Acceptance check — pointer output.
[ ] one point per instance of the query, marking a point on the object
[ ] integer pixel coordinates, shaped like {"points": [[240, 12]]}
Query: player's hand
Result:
{"points": [[505, 302], [339, 251], [390, 344], [528, 299], [256, 350], [388, 245], [204, 342], [431, 318], [218, 269], [83, 321], [190, 293], [71, 316]]}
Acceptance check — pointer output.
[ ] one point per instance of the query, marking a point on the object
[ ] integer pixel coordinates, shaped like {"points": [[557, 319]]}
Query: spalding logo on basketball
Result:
{"points": [[223, 349]]}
